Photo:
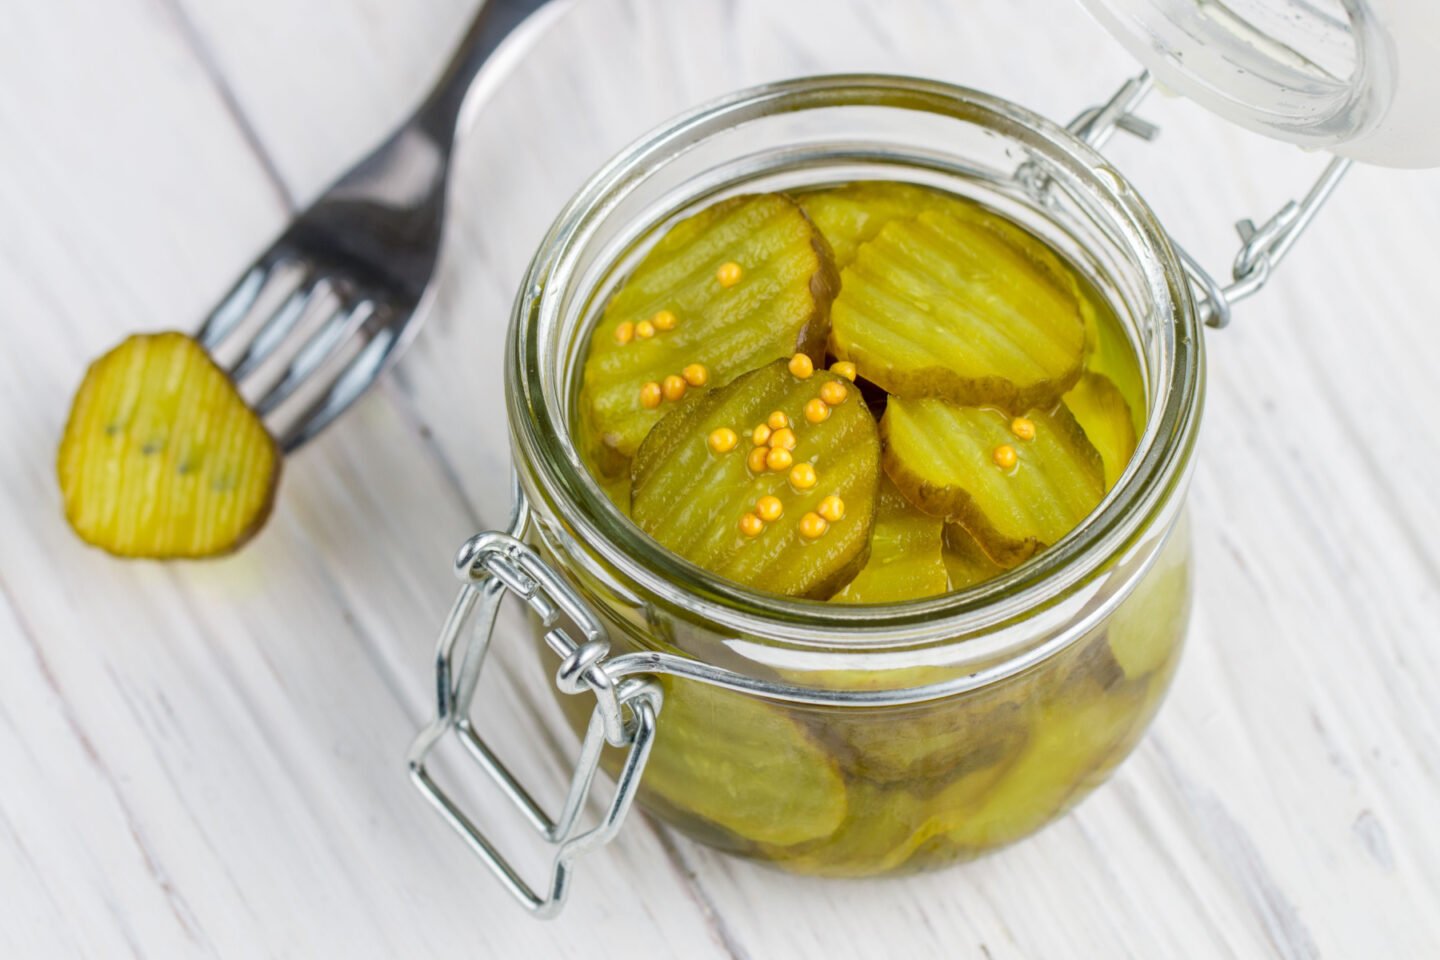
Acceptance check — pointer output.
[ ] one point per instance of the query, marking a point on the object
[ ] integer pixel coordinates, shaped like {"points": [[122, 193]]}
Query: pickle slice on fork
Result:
{"points": [[769, 481], [1016, 483], [944, 306], [737, 285], [161, 457]]}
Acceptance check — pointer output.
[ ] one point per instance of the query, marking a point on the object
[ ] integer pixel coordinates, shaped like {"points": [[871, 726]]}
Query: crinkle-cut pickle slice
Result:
{"points": [[965, 560], [1105, 417], [853, 214], [740, 283], [161, 457], [692, 499], [743, 764], [905, 562], [923, 743], [947, 460], [943, 306], [1145, 632], [1070, 746]]}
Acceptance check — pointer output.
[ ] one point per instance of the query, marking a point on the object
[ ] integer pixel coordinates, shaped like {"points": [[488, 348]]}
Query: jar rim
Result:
{"points": [[553, 473]]}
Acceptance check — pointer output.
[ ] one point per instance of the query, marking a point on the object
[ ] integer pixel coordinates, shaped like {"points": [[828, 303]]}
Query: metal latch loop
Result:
{"points": [[1261, 248], [490, 565]]}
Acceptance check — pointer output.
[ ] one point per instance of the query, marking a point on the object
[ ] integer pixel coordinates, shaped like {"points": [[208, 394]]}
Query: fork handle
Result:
{"points": [[440, 111]]}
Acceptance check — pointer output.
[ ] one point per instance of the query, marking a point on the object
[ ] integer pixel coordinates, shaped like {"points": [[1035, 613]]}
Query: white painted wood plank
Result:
{"points": [[206, 758]]}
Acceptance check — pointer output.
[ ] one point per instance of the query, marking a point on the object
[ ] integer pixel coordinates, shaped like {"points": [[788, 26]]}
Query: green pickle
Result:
{"points": [[696, 495], [1009, 401], [741, 283]]}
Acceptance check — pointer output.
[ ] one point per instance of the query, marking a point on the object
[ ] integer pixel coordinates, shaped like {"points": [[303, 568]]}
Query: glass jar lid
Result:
{"points": [[1356, 77]]}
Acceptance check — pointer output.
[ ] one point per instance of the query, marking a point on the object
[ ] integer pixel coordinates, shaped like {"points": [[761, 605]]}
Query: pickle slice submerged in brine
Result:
{"points": [[905, 561], [853, 214], [1017, 484], [740, 283], [744, 765], [944, 306], [1105, 417], [161, 457], [769, 481], [966, 562]]}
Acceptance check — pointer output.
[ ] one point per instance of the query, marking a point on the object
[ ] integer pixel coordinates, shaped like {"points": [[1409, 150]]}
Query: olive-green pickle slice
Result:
{"points": [[1105, 417], [745, 766], [851, 215], [942, 306], [770, 481], [905, 561], [1017, 484], [966, 562], [725, 291]]}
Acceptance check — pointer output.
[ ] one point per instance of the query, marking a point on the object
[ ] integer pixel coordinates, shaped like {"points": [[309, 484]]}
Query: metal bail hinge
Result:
{"points": [[1261, 248], [490, 564]]}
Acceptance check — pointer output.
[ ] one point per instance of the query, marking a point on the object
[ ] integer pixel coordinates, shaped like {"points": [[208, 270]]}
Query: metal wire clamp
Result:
{"points": [[489, 565], [1261, 248]]}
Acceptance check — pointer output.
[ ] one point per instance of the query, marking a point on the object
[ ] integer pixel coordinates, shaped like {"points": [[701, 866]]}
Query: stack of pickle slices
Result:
{"points": [[869, 393], [873, 393]]}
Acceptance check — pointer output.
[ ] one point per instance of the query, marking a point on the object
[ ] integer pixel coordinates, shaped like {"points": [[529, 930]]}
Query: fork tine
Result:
{"points": [[382, 332], [324, 343], [237, 303], [279, 324]]}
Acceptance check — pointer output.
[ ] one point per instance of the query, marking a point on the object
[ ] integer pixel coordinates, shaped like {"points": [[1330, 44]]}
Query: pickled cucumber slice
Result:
{"points": [[1072, 746], [739, 284], [853, 214], [965, 560], [904, 561], [744, 765], [161, 457], [1146, 631], [693, 499], [943, 306], [1105, 417], [947, 460]]}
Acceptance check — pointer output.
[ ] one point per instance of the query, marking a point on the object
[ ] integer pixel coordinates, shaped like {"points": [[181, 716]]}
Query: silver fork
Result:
{"points": [[350, 278]]}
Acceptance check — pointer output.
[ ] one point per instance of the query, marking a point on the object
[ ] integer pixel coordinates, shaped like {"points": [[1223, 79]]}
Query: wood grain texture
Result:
{"points": [[206, 759]]}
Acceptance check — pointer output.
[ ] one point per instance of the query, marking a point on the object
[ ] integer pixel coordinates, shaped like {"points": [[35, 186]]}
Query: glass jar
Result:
{"points": [[824, 738]]}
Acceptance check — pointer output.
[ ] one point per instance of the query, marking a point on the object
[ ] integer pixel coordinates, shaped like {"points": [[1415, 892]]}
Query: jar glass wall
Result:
{"points": [[845, 739]]}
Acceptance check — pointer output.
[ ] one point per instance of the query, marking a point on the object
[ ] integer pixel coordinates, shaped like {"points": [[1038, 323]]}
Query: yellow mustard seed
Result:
{"points": [[650, 395], [802, 476], [757, 459], [802, 366], [644, 329], [729, 274], [834, 392], [625, 332], [760, 436], [723, 439], [769, 508], [695, 374], [1005, 456], [783, 438], [664, 320], [674, 387], [832, 508], [817, 410], [777, 420], [778, 458], [751, 525], [1023, 427], [813, 526], [844, 368]]}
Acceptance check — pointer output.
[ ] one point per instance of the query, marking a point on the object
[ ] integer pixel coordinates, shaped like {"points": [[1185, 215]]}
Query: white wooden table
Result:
{"points": [[206, 759]]}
